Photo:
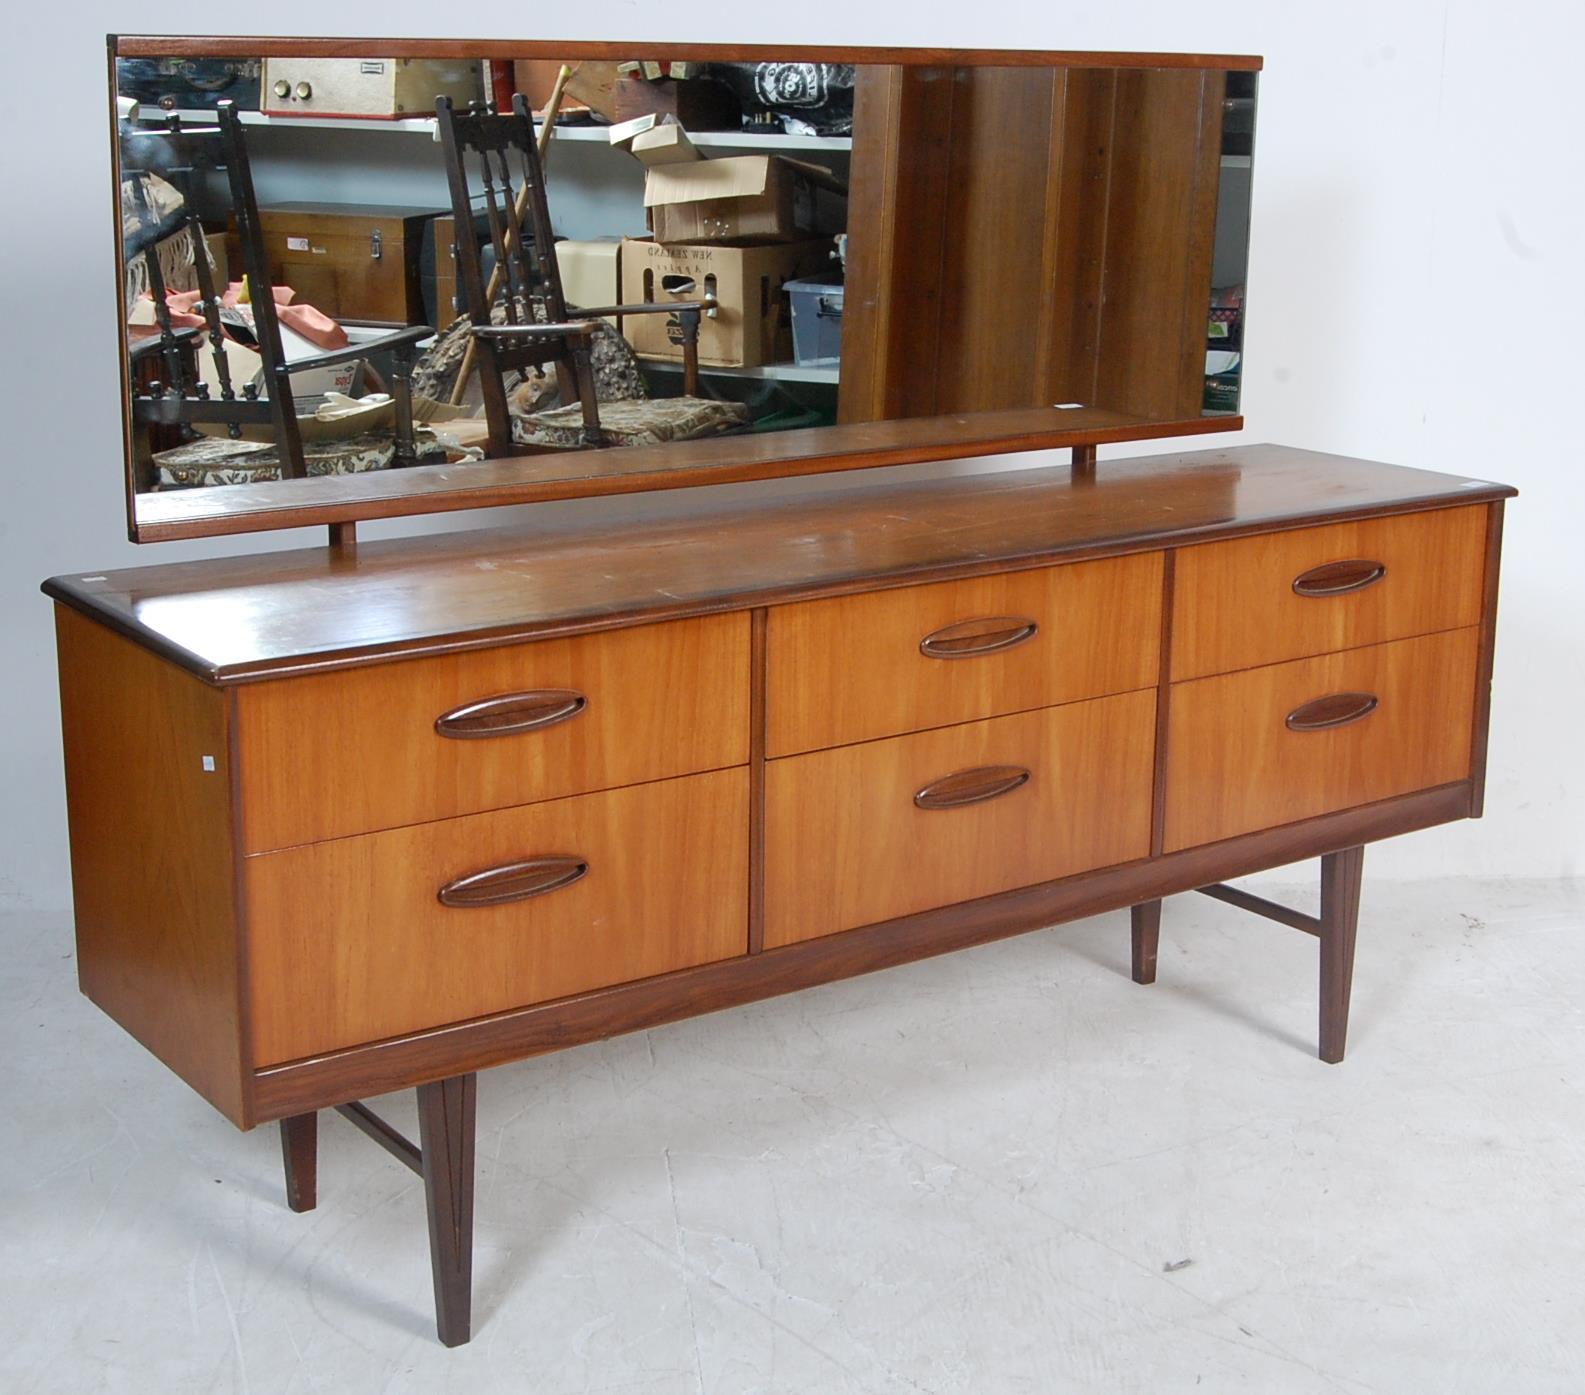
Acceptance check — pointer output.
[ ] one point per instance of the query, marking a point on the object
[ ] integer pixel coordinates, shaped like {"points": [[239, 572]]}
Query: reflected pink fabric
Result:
{"points": [[314, 325]]}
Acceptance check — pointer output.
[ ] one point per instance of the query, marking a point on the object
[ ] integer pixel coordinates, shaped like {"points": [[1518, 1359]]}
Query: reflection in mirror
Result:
{"points": [[325, 273]]}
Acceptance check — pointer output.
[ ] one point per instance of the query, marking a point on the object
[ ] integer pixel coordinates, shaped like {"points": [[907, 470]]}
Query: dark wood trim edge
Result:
{"points": [[324, 1081], [758, 621], [237, 855], [1158, 790], [67, 591], [272, 46], [410, 495], [1481, 728], [1259, 905]]}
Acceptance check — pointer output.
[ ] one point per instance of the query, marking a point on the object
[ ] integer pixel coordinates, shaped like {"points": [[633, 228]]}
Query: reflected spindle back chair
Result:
{"points": [[180, 397], [539, 327], [537, 331]]}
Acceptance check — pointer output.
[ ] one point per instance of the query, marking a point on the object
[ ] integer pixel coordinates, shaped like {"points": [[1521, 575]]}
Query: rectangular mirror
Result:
{"points": [[373, 278]]}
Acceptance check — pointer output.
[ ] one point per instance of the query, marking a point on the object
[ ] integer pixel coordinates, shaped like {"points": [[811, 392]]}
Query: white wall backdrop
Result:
{"points": [[1416, 295]]}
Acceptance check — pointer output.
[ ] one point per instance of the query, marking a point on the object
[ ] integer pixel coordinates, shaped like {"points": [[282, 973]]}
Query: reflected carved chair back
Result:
{"points": [[523, 322], [168, 388]]}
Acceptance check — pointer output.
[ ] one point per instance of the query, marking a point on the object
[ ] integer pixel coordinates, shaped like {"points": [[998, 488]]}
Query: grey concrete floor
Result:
{"points": [[1009, 1170]]}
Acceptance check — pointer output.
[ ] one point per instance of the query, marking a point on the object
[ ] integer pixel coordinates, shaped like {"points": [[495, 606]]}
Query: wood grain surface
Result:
{"points": [[249, 616], [327, 755], [149, 773], [846, 844], [1234, 766], [851, 668], [350, 943], [1235, 604]]}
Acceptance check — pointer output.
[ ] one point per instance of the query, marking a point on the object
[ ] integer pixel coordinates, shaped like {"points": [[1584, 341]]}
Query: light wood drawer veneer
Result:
{"points": [[1287, 595], [854, 668], [328, 755], [1273, 745], [351, 941], [860, 834]]}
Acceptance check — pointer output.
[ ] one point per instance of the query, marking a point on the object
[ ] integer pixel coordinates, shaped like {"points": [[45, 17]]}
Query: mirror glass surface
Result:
{"points": [[795, 259]]}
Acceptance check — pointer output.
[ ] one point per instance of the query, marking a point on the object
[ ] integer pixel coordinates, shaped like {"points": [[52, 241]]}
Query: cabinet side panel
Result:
{"points": [[152, 846]]}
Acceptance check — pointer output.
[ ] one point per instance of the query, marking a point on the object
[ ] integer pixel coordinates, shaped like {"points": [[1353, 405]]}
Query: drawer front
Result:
{"points": [[1269, 746], [860, 834], [334, 754], [350, 941], [859, 667], [1280, 596]]}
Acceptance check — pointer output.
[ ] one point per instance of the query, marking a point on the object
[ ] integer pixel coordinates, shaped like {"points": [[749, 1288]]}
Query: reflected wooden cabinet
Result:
{"points": [[1057, 248], [349, 820]]}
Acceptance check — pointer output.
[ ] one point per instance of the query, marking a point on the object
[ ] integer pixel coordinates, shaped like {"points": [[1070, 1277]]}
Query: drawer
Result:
{"points": [[860, 834], [1280, 596], [858, 667], [1269, 746], [349, 941], [328, 755]]}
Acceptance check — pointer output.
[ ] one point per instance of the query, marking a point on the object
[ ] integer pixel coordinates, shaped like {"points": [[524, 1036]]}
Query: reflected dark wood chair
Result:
{"points": [[173, 393], [529, 325]]}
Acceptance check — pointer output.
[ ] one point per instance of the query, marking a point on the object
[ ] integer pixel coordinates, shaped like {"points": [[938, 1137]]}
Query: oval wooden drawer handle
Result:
{"points": [[510, 713], [1334, 710], [513, 881], [971, 786], [1339, 578], [969, 638]]}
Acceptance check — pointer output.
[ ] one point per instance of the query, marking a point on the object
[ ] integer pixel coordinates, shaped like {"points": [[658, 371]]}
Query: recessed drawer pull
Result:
{"points": [[510, 713], [971, 786], [970, 638], [1339, 578], [1334, 710], [513, 881]]}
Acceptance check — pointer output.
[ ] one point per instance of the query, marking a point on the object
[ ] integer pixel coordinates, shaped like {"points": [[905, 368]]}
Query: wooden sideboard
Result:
{"points": [[346, 820]]}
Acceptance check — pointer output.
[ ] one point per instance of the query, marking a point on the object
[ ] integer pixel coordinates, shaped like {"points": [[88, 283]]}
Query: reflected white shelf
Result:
{"points": [[783, 372], [424, 125], [766, 141], [769, 141]]}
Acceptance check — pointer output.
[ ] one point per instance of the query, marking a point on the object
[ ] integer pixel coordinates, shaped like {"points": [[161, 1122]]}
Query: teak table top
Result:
{"points": [[269, 614]]}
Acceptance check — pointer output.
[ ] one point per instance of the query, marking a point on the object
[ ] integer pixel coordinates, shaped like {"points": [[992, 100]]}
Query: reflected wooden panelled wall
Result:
{"points": [[967, 303]]}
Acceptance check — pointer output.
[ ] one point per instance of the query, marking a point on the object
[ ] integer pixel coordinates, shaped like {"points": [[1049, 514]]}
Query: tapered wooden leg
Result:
{"points": [[1147, 936], [300, 1154], [1341, 873], [445, 1138]]}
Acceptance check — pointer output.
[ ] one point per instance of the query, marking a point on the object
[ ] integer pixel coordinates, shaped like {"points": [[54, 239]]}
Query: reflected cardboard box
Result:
{"points": [[764, 198], [750, 325], [591, 272]]}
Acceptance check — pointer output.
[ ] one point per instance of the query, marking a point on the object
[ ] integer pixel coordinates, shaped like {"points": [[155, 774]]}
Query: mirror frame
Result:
{"points": [[340, 500]]}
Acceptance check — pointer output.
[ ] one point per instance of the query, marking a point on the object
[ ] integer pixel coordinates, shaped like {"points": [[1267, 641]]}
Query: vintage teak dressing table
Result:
{"points": [[378, 815]]}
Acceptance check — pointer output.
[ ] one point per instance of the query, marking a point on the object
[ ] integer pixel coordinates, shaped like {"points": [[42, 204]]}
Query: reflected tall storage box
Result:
{"points": [[353, 261], [751, 325]]}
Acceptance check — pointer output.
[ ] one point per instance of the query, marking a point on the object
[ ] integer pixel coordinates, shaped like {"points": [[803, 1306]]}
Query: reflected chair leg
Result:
{"points": [[1146, 919], [690, 352], [1341, 874], [588, 395], [402, 394], [445, 1134], [300, 1154]]}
